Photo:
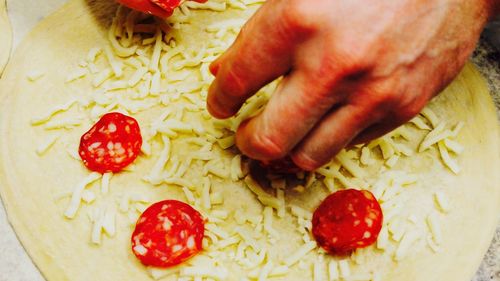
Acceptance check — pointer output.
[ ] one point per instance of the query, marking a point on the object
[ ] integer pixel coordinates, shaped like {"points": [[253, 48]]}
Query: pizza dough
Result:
{"points": [[5, 35], [67, 249]]}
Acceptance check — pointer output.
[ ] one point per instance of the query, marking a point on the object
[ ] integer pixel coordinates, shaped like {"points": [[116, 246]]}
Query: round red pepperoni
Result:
{"points": [[347, 220], [167, 5], [160, 8], [168, 233], [111, 144]]}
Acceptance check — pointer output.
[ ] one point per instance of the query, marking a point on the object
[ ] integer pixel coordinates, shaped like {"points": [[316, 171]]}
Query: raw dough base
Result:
{"points": [[5, 36], [59, 247]]}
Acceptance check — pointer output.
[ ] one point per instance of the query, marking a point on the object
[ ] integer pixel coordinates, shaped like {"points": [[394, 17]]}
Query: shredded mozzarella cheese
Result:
{"points": [[76, 196], [299, 253], [46, 144]]}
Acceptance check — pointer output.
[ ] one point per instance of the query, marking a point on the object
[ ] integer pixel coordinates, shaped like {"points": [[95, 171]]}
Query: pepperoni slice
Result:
{"points": [[167, 5], [347, 220], [111, 144], [168, 233], [160, 8], [281, 166]]}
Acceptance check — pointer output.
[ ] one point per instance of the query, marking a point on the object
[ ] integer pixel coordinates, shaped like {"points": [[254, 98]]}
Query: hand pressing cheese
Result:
{"points": [[352, 71]]}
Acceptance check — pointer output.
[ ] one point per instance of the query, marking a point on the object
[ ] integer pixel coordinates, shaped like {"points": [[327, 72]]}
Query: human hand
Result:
{"points": [[352, 71], [159, 8]]}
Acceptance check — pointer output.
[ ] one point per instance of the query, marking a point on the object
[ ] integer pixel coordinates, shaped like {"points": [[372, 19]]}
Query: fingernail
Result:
{"points": [[252, 143], [214, 106], [214, 67], [212, 100], [305, 162], [241, 140]]}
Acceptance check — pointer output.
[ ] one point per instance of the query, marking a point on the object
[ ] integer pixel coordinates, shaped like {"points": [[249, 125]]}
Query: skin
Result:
{"points": [[352, 71]]}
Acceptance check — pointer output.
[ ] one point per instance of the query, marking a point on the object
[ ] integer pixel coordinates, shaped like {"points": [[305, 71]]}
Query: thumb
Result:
{"points": [[262, 52]]}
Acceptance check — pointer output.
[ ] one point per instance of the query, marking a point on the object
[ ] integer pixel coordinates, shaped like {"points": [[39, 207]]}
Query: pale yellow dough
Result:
{"points": [[5, 36], [61, 248]]}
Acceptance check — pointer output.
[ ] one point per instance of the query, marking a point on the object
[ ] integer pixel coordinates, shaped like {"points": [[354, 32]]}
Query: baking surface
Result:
{"points": [[15, 264], [488, 61], [5, 35]]}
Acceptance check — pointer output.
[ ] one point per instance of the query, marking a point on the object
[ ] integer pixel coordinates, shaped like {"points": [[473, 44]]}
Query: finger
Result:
{"points": [[375, 131], [214, 67], [293, 110], [335, 131], [396, 116], [261, 53]]}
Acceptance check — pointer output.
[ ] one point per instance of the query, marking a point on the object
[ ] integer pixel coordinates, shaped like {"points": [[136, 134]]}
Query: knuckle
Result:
{"points": [[410, 109], [298, 16], [354, 60], [400, 106], [385, 100], [329, 70], [335, 68], [266, 147], [305, 162], [382, 96]]}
